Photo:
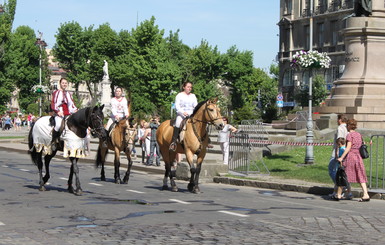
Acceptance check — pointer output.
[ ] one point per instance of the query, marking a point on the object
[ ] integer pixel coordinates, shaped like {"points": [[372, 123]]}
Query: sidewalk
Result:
{"points": [[260, 181]]}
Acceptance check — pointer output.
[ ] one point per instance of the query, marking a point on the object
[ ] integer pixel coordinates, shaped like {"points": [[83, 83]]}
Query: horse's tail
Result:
{"points": [[31, 149], [98, 161]]}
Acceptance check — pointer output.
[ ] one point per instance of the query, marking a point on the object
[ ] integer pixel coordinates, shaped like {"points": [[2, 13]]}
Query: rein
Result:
{"points": [[201, 139]]}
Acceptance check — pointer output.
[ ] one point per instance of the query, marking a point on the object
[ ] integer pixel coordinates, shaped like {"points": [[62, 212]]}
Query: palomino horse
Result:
{"points": [[121, 138], [195, 141], [76, 126]]}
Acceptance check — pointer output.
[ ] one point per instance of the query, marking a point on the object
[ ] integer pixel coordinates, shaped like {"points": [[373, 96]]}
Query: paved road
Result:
{"points": [[141, 213]]}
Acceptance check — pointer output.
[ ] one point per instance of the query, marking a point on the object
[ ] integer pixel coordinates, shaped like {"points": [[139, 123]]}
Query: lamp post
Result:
{"points": [[309, 158], [42, 44]]}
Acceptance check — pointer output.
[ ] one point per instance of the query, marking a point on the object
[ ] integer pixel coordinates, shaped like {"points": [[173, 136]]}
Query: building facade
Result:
{"points": [[329, 19]]}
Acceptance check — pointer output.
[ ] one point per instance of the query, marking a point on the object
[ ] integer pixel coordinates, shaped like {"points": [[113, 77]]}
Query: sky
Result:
{"points": [[248, 24]]}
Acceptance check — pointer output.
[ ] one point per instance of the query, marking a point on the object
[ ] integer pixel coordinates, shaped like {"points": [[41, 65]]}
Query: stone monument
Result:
{"points": [[360, 92], [105, 90]]}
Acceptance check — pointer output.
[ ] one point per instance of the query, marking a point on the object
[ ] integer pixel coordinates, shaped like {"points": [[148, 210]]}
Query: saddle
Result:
{"points": [[182, 129]]}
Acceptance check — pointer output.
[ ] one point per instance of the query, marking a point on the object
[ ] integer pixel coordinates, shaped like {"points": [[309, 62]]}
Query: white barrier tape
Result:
{"points": [[288, 143]]}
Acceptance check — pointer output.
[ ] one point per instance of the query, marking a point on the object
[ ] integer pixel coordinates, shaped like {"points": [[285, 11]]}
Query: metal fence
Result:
{"points": [[246, 154], [377, 164]]}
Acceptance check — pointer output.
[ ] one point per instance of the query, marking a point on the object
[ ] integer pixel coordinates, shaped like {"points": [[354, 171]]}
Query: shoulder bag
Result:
{"points": [[364, 150]]}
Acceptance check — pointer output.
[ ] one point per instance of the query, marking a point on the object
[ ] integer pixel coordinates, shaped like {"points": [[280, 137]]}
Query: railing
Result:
{"points": [[246, 154], [377, 164]]}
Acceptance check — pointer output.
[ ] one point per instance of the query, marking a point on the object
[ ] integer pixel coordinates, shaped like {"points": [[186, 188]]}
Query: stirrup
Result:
{"points": [[172, 146]]}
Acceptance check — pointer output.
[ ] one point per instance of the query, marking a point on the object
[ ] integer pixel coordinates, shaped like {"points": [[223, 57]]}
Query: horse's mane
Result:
{"points": [[199, 105]]}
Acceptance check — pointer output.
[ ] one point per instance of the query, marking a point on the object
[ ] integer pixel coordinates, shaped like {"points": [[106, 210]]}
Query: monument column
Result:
{"points": [[106, 91], [360, 92]]}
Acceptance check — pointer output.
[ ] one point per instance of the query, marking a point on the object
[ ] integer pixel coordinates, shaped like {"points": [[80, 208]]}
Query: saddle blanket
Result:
{"points": [[74, 146]]}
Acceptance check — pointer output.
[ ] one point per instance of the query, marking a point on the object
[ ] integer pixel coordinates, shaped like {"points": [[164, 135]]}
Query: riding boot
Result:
{"points": [[55, 140], [174, 139]]}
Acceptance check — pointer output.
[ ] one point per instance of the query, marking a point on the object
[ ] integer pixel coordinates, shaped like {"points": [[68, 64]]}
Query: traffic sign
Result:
{"points": [[279, 97], [279, 103]]}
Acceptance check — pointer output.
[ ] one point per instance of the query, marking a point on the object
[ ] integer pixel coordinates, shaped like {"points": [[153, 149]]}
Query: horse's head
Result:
{"points": [[212, 114], [96, 122], [130, 133]]}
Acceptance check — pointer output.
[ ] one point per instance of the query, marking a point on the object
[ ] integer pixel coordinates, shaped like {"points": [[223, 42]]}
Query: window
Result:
{"points": [[288, 6], [321, 31], [305, 78], [287, 40], [334, 32], [287, 78], [307, 37]]}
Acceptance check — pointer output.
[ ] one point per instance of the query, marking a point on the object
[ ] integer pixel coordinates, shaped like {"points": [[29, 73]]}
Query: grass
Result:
{"points": [[11, 137], [289, 164]]}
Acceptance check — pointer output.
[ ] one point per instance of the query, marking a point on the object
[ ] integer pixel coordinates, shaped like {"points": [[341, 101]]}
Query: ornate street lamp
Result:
{"points": [[42, 44], [309, 157]]}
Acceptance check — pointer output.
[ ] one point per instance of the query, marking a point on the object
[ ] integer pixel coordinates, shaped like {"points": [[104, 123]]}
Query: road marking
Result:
{"points": [[5, 166], [24, 170], [140, 192], [1, 223], [179, 201], [63, 178], [96, 184], [232, 213]]}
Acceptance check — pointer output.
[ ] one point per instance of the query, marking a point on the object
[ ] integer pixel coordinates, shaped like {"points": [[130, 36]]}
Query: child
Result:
{"points": [[334, 164], [341, 143]]}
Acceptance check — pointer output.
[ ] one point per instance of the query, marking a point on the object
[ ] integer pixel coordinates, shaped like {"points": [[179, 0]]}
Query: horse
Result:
{"points": [[72, 142], [121, 138], [195, 141]]}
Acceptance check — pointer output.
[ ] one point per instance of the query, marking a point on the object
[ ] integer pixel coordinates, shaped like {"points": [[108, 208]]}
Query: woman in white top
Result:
{"points": [[223, 139], [119, 107], [185, 103]]}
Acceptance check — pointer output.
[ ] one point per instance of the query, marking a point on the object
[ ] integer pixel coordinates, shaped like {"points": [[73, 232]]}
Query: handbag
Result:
{"points": [[341, 178], [364, 150]]}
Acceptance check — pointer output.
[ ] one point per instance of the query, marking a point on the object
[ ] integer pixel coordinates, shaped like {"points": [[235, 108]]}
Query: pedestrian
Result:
{"points": [[119, 107], [142, 142], [17, 122], [63, 105], [224, 139], [29, 120], [147, 140], [342, 132], [352, 161], [185, 103], [154, 147], [7, 122]]}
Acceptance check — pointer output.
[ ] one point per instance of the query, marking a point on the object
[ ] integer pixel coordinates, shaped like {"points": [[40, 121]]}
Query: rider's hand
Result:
{"points": [[116, 118], [60, 114], [185, 114]]}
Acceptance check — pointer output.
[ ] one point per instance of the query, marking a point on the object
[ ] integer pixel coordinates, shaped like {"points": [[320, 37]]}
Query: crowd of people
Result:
{"points": [[16, 121]]}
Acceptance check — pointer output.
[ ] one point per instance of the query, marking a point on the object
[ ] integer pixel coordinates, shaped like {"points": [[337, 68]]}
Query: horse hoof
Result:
{"points": [[78, 192], [70, 189], [42, 188], [118, 181], [190, 187], [165, 187], [196, 190], [174, 189], [103, 178]]}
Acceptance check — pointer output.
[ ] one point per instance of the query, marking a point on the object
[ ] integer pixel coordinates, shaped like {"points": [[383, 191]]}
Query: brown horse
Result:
{"points": [[195, 141], [121, 138]]}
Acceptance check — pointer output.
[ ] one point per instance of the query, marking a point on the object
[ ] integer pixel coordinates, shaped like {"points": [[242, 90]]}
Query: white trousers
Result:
{"points": [[225, 152], [58, 121]]}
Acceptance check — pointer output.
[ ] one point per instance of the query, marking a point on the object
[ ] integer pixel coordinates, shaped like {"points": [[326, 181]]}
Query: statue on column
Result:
{"points": [[362, 8], [105, 71]]}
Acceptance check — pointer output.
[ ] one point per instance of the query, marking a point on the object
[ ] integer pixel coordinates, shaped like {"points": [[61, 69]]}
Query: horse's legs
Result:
{"points": [[102, 159], [47, 160], [195, 181], [129, 165], [190, 160], [40, 167], [70, 187], [74, 163], [173, 166], [167, 171], [117, 166]]}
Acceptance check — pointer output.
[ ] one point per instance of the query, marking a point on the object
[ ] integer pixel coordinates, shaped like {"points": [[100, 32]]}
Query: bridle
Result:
{"points": [[209, 122], [130, 135], [96, 129]]}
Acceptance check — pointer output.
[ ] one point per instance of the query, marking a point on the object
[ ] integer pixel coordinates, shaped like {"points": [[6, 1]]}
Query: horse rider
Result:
{"points": [[119, 108], [63, 105], [185, 103]]}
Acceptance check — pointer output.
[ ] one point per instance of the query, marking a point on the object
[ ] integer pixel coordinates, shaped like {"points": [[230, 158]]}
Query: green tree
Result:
{"points": [[6, 21], [73, 50], [319, 92], [22, 64]]}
